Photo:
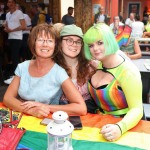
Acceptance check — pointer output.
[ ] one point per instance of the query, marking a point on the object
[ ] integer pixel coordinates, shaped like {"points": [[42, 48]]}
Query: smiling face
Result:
{"points": [[97, 50], [71, 46], [44, 46]]}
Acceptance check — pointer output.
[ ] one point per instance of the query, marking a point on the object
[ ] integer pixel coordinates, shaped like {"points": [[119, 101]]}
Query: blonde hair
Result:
{"points": [[58, 27]]}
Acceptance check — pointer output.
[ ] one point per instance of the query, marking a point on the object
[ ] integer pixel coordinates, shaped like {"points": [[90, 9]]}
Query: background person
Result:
{"points": [[137, 28], [115, 25], [68, 18], [116, 87], [130, 20], [71, 58], [42, 13], [14, 26], [38, 83], [146, 34], [26, 53], [35, 15], [58, 27], [145, 15], [100, 16], [132, 49]]}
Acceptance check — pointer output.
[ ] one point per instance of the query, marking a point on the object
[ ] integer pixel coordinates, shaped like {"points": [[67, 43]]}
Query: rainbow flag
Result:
{"points": [[89, 137], [124, 34]]}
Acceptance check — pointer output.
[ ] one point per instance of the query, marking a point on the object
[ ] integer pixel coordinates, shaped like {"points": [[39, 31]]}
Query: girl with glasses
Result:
{"points": [[71, 58]]}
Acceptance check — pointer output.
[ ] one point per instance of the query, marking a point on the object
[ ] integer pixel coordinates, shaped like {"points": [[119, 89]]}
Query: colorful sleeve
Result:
{"points": [[131, 84]]}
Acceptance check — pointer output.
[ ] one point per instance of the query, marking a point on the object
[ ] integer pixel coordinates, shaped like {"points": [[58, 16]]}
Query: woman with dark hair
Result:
{"points": [[137, 28], [71, 58]]}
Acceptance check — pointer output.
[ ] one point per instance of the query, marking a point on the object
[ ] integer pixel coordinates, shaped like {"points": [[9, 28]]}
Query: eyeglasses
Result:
{"points": [[70, 42], [41, 41]]}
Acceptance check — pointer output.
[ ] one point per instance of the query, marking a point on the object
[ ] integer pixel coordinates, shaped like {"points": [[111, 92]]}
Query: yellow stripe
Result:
{"points": [[133, 139], [32, 123]]}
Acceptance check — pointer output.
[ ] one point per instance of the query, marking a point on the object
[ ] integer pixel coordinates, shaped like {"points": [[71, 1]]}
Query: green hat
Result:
{"points": [[71, 30]]}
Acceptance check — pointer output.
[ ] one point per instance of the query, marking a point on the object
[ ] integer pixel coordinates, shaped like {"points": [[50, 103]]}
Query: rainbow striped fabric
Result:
{"points": [[108, 98], [89, 137], [124, 34]]}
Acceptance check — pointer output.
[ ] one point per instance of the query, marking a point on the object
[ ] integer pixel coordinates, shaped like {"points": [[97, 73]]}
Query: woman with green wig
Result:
{"points": [[116, 86]]}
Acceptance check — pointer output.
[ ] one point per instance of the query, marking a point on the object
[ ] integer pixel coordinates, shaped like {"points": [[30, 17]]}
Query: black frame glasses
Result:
{"points": [[70, 42]]}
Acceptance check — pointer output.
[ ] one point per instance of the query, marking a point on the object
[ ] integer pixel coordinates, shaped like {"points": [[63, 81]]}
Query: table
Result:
{"points": [[144, 45], [89, 137], [143, 39], [145, 53], [145, 75], [140, 65], [147, 110]]}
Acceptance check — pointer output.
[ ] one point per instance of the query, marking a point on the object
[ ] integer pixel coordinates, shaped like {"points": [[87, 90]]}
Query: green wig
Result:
{"points": [[100, 31]]}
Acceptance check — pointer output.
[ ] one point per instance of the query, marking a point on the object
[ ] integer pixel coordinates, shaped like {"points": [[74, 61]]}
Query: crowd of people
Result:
{"points": [[17, 25], [74, 72], [138, 30]]}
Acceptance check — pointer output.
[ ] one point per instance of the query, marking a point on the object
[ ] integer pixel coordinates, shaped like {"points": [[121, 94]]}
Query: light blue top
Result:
{"points": [[45, 89]]}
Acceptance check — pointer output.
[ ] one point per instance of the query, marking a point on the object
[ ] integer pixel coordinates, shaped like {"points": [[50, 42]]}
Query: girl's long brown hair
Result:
{"points": [[83, 68]]}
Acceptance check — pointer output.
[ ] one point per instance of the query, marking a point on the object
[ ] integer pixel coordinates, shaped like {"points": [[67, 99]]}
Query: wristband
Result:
{"points": [[119, 128]]}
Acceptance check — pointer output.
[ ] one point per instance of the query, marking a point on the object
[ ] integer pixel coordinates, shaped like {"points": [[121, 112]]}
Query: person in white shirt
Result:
{"points": [[130, 20], [137, 28], [100, 16], [14, 25], [26, 53], [115, 25]]}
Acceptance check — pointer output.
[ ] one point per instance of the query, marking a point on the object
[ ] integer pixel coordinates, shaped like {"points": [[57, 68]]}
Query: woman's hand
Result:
{"points": [[38, 112], [30, 104], [111, 132], [94, 63], [36, 109]]}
